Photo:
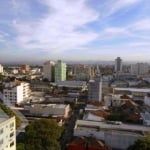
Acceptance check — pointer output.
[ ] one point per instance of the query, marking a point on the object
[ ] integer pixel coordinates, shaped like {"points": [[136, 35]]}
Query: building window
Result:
{"points": [[12, 125], [11, 134], [11, 144], [1, 131]]}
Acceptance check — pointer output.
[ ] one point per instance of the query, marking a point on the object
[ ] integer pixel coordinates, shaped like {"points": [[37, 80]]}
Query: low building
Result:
{"points": [[145, 118], [117, 136], [15, 92], [50, 110], [98, 115], [116, 99], [85, 143], [7, 132], [147, 99], [72, 84]]}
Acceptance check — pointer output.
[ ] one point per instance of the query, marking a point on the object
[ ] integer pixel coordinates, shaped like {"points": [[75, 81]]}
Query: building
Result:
{"points": [[1, 68], [147, 99], [15, 92], [48, 70], [140, 69], [50, 110], [60, 71], [86, 143], [7, 132], [25, 68], [118, 65], [115, 135], [145, 118], [95, 90]]}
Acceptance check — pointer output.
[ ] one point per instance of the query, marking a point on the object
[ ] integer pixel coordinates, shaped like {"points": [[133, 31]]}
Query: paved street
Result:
{"points": [[68, 132]]}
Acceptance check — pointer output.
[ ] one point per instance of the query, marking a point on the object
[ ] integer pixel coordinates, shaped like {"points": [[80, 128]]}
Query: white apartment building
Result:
{"points": [[1, 68], [15, 92], [48, 70], [7, 132], [140, 68]]}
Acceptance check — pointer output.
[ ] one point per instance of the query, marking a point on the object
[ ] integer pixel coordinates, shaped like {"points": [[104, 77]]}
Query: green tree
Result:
{"points": [[20, 146], [10, 113], [141, 144], [42, 135]]}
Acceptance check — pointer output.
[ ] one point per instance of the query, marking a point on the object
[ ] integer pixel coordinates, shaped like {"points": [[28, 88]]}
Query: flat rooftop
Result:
{"points": [[146, 90], [105, 126]]}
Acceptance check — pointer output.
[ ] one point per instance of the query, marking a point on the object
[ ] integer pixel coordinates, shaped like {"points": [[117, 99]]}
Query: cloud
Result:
{"points": [[141, 25], [58, 30]]}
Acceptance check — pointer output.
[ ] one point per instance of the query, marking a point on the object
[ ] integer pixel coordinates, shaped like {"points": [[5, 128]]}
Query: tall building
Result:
{"points": [[95, 89], [140, 68], [48, 70], [7, 132], [118, 65], [15, 92], [1, 68], [60, 71]]}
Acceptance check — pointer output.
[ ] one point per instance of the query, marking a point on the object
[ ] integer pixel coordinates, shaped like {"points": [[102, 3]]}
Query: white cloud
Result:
{"points": [[112, 6], [142, 25], [58, 30]]}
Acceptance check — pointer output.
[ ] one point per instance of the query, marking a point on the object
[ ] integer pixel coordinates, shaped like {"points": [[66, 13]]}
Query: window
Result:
{"points": [[11, 134], [12, 125], [11, 144], [1, 142], [1, 131]]}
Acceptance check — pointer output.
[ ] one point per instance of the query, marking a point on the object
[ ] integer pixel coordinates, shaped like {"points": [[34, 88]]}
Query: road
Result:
{"points": [[68, 132]]}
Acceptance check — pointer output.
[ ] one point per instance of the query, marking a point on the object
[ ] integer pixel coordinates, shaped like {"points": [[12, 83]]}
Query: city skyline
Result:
{"points": [[37, 30]]}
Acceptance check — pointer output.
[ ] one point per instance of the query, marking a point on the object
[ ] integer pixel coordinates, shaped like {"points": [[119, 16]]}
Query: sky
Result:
{"points": [[74, 30]]}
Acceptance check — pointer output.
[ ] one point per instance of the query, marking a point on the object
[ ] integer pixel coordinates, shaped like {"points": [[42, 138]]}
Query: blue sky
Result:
{"points": [[37, 30]]}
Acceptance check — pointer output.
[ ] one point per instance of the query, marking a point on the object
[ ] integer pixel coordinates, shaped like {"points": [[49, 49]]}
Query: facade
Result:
{"points": [[145, 118], [140, 69], [60, 71], [118, 65], [1, 68], [15, 92], [7, 132], [48, 70], [95, 90], [147, 99]]}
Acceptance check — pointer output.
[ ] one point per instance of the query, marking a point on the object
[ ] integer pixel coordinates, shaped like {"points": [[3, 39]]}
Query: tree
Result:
{"points": [[42, 135], [10, 113], [141, 144]]}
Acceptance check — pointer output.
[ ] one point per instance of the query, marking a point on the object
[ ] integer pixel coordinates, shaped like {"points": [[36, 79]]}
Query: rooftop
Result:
{"points": [[144, 90], [106, 126]]}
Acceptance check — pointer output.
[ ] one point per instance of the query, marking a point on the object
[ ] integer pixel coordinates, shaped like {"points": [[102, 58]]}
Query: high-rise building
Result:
{"points": [[15, 92], [118, 65], [95, 89], [7, 132], [48, 70], [140, 68], [60, 71], [1, 68]]}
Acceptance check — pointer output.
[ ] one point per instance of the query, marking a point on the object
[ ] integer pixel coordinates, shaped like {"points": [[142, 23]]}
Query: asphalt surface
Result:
{"points": [[68, 131]]}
